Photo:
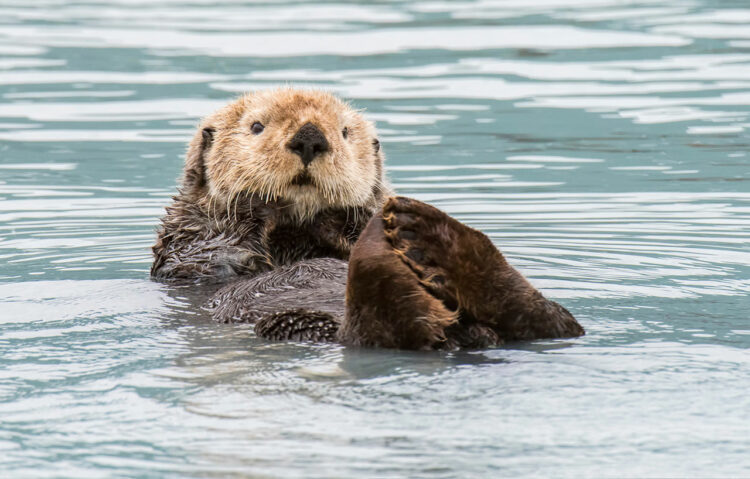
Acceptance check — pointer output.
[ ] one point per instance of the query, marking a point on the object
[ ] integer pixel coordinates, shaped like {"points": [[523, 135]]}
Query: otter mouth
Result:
{"points": [[304, 178]]}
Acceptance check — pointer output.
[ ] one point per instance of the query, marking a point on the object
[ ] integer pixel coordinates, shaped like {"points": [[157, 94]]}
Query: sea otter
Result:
{"points": [[272, 178], [283, 198]]}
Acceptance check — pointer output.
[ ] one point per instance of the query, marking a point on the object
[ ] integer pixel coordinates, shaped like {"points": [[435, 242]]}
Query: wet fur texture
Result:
{"points": [[316, 285], [447, 284], [416, 279]]}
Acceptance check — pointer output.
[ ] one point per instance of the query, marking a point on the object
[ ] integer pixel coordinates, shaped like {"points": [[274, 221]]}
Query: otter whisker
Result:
{"points": [[230, 197], [244, 179], [229, 201], [236, 203]]}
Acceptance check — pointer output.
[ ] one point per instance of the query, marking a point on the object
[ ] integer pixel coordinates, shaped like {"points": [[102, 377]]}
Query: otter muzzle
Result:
{"points": [[308, 143]]}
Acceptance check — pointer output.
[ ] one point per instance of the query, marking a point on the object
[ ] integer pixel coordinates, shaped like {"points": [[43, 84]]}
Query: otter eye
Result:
{"points": [[257, 128], [376, 145], [345, 132]]}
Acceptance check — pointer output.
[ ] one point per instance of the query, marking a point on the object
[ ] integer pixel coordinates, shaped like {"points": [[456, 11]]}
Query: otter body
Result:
{"points": [[256, 236], [283, 198], [416, 279]]}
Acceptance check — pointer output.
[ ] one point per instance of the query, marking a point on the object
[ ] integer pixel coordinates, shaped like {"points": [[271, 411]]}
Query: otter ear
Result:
{"points": [[376, 145], [195, 168]]}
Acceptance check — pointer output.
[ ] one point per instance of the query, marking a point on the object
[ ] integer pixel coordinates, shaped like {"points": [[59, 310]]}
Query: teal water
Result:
{"points": [[602, 144]]}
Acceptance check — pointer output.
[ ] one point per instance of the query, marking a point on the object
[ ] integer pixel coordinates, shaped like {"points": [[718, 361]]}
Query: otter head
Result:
{"points": [[307, 149]]}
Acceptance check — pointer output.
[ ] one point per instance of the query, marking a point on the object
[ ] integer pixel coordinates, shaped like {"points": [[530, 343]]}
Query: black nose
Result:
{"points": [[308, 143]]}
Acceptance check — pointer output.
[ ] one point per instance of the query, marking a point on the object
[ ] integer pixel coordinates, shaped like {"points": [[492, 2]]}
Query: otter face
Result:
{"points": [[307, 148]]}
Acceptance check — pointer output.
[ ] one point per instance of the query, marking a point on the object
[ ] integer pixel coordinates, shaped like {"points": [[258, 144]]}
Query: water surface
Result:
{"points": [[602, 145]]}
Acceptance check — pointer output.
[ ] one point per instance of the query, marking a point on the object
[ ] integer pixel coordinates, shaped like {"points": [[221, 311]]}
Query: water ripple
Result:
{"points": [[601, 144]]}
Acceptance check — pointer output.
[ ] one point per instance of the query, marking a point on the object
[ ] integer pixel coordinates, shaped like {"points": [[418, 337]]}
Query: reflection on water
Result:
{"points": [[602, 144]]}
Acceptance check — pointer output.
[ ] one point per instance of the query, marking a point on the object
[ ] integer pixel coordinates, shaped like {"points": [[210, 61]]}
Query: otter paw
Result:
{"points": [[424, 238], [298, 325]]}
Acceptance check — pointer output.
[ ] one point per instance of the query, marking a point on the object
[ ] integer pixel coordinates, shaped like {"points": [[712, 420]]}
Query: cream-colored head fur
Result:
{"points": [[233, 161]]}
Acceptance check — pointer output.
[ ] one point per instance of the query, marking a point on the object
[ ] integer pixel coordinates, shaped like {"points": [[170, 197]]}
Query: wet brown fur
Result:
{"points": [[386, 305], [463, 269], [416, 279]]}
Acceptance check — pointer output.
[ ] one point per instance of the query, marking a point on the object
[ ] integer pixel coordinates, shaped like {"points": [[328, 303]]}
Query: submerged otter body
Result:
{"points": [[283, 199]]}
